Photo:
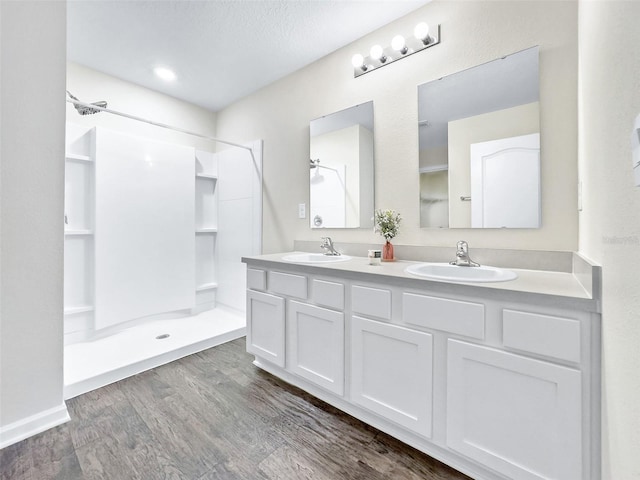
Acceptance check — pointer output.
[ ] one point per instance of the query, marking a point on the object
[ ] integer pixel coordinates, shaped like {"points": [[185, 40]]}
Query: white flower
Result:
{"points": [[387, 223]]}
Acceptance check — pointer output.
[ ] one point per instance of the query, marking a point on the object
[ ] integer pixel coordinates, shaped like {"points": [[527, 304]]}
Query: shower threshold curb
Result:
{"points": [[83, 386]]}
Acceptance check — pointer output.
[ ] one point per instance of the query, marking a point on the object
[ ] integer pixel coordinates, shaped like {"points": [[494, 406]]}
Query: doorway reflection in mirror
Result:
{"points": [[474, 170]]}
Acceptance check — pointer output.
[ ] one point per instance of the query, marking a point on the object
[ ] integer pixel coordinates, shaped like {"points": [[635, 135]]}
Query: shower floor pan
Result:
{"points": [[94, 364]]}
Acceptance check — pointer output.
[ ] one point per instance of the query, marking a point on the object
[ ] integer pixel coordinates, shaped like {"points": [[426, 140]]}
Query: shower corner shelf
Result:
{"points": [[78, 158], [207, 286], [78, 309], [206, 230], [78, 232], [207, 176]]}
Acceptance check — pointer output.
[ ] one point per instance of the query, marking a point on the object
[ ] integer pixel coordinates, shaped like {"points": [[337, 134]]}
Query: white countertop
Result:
{"points": [[561, 287]]}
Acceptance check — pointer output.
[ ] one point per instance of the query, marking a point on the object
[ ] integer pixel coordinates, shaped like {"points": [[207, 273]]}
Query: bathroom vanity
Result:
{"points": [[498, 380]]}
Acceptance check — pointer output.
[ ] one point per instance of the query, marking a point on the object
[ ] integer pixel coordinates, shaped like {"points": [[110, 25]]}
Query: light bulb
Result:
{"points": [[422, 32], [357, 61], [377, 53], [165, 73], [398, 44]]}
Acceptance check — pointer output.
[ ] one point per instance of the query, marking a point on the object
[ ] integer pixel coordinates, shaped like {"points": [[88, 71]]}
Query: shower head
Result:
{"points": [[84, 110], [317, 177]]}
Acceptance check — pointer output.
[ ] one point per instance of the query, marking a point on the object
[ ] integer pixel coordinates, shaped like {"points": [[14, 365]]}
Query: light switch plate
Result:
{"points": [[302, 210]]}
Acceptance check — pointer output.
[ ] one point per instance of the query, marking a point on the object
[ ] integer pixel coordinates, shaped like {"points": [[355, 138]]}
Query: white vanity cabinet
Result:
{"points": [[499, 385], [520, 416], [315, 345], [298, 323], [266, 330], [391, 372]]}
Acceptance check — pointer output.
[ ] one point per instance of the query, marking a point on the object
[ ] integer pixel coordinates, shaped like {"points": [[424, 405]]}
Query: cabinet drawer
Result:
{"points": [[328, 294], [556, 337], [373, 302], [256, 279], [288, 284], [453, 316]]}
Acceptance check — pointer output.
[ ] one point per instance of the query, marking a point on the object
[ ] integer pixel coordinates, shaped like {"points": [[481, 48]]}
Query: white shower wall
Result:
{"points": [[154, 229], [240, 219], [144, 227]]}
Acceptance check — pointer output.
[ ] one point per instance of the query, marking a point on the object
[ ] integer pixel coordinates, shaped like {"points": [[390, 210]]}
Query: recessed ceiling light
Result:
{"points": [[165, 73]]}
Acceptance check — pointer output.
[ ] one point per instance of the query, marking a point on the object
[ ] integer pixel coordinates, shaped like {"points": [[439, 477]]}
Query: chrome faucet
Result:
{"points": [[462, 256], [327, 246]]}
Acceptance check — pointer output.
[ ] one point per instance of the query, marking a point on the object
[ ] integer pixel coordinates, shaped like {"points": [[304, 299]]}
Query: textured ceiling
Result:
{"points": [[220, 50]]}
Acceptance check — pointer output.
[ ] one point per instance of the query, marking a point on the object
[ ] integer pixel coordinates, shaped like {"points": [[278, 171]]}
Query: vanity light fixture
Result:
{"points": [[377, 53], [358, 62], [399, 44], [421, 32], [400, 48]]}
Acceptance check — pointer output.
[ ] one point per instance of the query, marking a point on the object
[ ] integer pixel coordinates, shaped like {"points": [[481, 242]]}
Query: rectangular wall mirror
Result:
{"points": [[479, 135], [341, 169]]}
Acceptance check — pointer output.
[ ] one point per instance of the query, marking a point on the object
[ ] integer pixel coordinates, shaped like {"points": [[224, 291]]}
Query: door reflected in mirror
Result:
{"points": [[479, 133], [341, 169]]}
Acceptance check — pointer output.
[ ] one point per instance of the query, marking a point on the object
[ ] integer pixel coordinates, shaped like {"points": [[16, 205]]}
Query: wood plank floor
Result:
{"points": [[212, 415]]}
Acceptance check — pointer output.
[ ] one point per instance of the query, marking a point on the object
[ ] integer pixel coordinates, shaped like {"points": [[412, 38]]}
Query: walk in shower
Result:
{"points": [[154, 233]]}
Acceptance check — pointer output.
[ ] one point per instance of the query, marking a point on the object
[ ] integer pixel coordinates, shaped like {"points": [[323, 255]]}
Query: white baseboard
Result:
{"points": [[27, 427]]}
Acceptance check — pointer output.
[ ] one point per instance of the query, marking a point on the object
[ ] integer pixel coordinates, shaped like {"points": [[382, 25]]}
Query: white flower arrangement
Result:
{"points": [[387, 223]]}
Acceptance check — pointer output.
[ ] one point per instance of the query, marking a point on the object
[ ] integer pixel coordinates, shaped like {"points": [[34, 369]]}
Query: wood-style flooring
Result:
{"points": [[212, 415]]}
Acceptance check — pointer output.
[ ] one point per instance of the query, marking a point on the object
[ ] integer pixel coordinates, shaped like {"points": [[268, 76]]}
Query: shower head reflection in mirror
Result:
{"points": [[328, 195], [479, 133], [341, 169], [317, 177]]}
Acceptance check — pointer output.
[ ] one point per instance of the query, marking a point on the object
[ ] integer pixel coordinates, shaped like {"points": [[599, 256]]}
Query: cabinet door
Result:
{"points": [[391, 372], [265, 326], [316, 345], [516, 415]]}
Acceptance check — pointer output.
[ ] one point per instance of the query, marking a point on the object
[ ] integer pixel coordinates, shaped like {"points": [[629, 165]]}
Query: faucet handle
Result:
{"points": [[462, 256], [462, 245], [327, 244]]}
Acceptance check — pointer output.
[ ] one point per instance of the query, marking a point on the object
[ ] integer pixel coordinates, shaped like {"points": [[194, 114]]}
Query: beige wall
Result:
{"points": [[91, 86], [510, 122], [610, 220], [472, 33], [32, 56]]}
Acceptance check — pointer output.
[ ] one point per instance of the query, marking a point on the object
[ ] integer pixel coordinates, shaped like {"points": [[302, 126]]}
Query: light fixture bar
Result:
{"points": [[400, 48]]}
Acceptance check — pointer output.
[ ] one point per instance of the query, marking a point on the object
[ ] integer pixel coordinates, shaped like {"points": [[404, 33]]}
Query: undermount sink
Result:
{"points": [[454, 273], [315, 258]]}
